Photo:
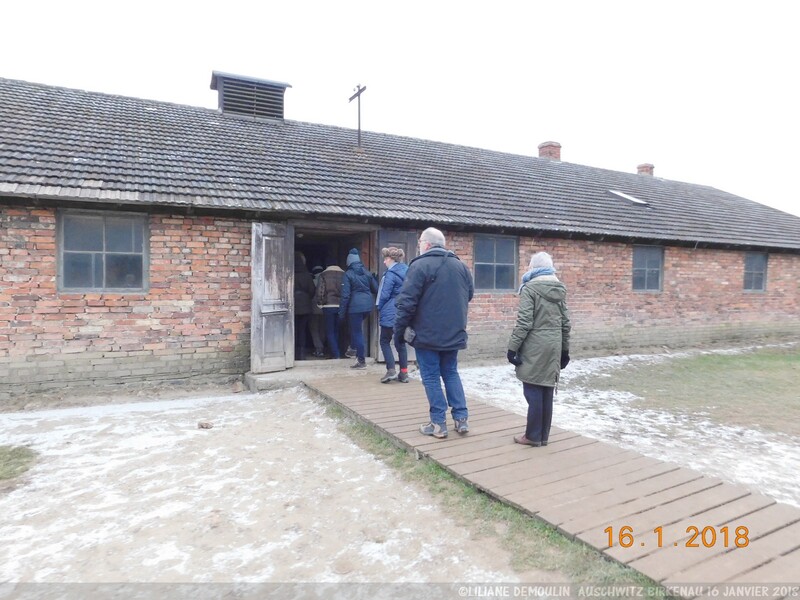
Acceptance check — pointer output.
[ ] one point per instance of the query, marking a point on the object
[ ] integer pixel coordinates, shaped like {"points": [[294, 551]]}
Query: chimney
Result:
{"points": [[645, 169], [551, 150], [257, 98]]}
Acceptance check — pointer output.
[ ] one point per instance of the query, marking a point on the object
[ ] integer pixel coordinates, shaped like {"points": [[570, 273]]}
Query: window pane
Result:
{"points": [[138, 237], [505, 251], [484, 249], [78, 270], [123, 271], [112, 252], [647, 268], [119, 235], [758, 281], [755, 262], [83, 233], [97, 267], [653, 280], [654, 262], [504, 277], [484, 276]]}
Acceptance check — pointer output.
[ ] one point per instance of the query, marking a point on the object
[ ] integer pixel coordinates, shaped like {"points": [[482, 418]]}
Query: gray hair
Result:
{"points": [[433, 236], [541, 259]]}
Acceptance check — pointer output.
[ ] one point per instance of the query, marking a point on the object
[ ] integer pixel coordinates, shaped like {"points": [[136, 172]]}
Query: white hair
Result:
{"points": [[539, 260], [433, 236]]}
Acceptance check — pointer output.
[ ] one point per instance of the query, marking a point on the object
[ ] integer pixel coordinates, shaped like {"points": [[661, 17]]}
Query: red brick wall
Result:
{"points": [[702, 300], [194, 320]]}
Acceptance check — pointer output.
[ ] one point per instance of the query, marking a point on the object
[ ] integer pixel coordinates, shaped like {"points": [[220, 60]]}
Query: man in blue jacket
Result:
{"points": [[432, 316]]}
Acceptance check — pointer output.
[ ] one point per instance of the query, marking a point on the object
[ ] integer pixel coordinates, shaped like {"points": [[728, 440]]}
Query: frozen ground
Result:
{"points": [[272, 493], [763, 461]]}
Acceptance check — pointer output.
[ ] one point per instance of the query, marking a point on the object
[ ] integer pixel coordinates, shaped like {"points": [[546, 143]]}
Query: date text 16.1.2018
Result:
{"points": [[705, 537]]}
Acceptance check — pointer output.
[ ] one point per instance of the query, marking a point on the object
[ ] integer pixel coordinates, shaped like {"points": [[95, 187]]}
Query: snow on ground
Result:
{"points": [[765, 462], [272, 492]]}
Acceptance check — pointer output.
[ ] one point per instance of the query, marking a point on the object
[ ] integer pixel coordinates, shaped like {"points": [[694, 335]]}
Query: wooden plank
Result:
{"points": [[581, 459], [616, 515], [570, 495], [661, 564], [739, 560], [783, 569], [731, 504], [584, 486]]}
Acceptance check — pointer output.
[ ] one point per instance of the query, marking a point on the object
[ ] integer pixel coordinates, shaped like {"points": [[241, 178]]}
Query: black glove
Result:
{"points": [[564, 359], [514, 358], [399, 336]]}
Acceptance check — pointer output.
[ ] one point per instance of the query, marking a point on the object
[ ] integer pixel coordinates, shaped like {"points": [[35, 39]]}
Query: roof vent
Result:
{"points": [[257, 98]]}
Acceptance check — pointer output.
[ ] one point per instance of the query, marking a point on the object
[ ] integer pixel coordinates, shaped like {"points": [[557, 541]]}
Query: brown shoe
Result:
{"points": [[521, 439]]}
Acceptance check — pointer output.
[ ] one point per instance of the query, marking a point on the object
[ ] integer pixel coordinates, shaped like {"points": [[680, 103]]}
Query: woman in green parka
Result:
{"points": [[539, 344]]}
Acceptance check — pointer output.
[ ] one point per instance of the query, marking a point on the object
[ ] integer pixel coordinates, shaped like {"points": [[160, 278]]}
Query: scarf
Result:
{"points": [[535, 273]]}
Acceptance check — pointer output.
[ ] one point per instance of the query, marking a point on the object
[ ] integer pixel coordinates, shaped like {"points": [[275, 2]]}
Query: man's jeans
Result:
{"points": [[435, 367]]}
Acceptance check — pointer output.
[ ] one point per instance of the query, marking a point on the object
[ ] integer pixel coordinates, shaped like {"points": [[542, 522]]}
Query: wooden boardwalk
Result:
{"points": [[583, 487]]}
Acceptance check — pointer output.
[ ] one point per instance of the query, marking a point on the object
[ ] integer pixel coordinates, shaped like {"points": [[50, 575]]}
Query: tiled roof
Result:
{"points": [[70, 144]]}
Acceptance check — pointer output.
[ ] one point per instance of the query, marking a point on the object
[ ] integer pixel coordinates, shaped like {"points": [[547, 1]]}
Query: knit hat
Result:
{"points": [[353, 257]]}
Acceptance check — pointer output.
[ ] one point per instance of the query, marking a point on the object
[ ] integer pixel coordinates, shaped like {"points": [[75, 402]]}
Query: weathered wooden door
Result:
{"points": [[272, 323], [407, 241]]}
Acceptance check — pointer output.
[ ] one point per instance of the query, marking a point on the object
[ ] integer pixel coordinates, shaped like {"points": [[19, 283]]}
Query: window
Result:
{"points": [[755, 271], [648, 262], [495, 263], [101, 252]]}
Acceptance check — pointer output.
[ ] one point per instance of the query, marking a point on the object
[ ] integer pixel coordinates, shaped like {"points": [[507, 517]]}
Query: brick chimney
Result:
{"points": [[645, 169], [551, 150]]}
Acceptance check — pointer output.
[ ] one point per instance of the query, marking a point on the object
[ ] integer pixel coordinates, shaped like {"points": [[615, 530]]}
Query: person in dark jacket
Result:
{"points": [[329, 294], [317, 323], [358, 298], [303, 294], [391, 282], [432, 316], [539, 344]]}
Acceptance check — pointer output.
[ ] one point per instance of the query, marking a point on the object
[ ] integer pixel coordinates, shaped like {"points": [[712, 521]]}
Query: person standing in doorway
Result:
{"points": [[328, 297], [303, 294], [432, 316], [317, 323], [358, 298], [539, 344], [391, 282]]}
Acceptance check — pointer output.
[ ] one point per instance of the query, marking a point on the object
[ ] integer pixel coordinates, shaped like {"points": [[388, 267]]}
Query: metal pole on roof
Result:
{"points": [[358, 91]]}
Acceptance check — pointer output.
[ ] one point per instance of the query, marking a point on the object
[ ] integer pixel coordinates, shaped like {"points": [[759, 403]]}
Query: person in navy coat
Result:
{"points": [[432, 308], [391, 282], [358, 297]]}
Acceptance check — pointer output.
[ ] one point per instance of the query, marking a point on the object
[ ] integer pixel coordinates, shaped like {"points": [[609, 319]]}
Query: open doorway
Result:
{"points": [[317, 250]]}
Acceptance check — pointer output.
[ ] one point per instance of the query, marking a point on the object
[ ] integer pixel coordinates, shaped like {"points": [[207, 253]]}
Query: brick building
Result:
{"points": [[142, 240]]}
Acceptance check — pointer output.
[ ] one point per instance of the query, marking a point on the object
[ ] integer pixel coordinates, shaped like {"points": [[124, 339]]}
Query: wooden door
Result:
{"points": [[272, 321], [407, 241]]}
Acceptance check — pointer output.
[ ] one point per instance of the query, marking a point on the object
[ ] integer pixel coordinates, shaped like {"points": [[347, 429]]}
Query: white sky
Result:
{"points": [[705, 90]]}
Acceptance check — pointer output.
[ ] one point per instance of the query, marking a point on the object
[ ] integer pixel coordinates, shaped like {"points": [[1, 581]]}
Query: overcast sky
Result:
{"points": [[706, 90]]}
